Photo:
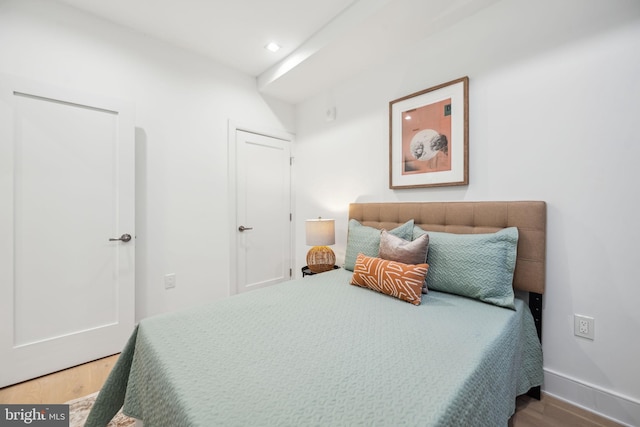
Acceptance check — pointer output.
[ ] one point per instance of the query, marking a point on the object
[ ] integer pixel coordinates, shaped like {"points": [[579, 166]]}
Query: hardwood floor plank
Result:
{"points": [[549, 411], [61, 386]]}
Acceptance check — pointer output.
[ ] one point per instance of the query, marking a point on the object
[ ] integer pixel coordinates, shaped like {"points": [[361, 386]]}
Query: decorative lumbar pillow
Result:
{"points": [[478, 266], [395, 248], [366, 240], [403, 281]]}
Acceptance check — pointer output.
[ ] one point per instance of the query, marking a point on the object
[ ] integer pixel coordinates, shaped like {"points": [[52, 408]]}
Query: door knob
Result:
{"points": [[243, 228], [123, 238]]}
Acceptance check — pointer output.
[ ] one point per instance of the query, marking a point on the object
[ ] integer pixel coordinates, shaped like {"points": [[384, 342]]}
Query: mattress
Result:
{"points": [[318, 351]]}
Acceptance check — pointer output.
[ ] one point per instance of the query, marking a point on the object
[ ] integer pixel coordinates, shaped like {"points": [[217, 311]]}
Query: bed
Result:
{"points": [[320, 351]]}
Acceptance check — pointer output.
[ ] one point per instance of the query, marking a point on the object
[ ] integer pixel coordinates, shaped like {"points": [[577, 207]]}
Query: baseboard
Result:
{"points": [[606, 403]]}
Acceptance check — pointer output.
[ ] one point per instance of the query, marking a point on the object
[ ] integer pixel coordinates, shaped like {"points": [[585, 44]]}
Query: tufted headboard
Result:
{"points": [[472, 218]]}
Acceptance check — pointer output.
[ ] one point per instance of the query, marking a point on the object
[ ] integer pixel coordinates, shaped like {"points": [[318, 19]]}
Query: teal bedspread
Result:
{"points": [[320, 352]]}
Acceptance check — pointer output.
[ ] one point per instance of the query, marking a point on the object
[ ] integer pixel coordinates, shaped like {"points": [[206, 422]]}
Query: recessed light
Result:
{"points": [[273, 47]]}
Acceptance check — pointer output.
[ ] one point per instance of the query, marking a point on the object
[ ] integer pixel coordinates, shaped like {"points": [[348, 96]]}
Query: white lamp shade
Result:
{"points": [[320, 232]]}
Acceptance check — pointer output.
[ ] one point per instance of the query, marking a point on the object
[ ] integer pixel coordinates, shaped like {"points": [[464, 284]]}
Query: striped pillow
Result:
{"points": [[403, 281]]}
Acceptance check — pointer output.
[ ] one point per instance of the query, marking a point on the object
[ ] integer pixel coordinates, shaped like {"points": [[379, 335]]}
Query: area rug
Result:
{"points": [[79, 411]]}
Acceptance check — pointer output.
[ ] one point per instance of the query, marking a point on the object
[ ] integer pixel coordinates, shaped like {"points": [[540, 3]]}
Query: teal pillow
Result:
{"points": [[478, 266], [366, 240]]}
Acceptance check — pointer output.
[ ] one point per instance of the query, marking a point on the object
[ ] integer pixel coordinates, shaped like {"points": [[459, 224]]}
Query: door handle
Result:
{"points": [[123, 238], [243, 228]]}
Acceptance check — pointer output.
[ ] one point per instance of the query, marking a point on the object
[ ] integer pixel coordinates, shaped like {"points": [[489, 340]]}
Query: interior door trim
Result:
{"points": [[233, 128]]}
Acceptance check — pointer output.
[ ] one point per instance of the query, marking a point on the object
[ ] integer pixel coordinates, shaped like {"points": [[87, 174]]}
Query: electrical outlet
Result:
{"points": [[170, 280], [583, 326]]}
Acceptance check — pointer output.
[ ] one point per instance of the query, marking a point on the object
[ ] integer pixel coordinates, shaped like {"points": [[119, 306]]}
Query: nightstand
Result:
{"points": [[307, 272]]}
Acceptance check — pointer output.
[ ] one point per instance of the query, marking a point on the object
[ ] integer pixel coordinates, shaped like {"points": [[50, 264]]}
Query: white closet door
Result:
{"points": [[263, 197], [67, 187]]}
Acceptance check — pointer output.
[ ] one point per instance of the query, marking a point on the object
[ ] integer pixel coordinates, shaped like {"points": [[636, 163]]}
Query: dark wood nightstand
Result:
{"points": [[307, 272]]}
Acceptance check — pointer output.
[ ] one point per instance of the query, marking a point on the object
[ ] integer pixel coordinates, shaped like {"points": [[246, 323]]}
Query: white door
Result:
{"points": [[66, 188], [263, 211]]}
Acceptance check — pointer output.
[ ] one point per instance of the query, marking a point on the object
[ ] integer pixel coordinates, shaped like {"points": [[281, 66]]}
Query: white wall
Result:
{"points": [[554, 116], [182, 105]]}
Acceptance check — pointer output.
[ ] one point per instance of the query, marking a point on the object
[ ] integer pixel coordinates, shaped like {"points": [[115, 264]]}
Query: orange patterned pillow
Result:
{"points": [[403, 281]]}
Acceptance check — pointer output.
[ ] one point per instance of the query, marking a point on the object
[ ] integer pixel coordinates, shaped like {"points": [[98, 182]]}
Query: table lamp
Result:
{"points": [[320, 233]]}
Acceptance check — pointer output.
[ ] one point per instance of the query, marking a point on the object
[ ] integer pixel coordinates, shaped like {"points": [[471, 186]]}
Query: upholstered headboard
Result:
{"points": [[473, 217]]}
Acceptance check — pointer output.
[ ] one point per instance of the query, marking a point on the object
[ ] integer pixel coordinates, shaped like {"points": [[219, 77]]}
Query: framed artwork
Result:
{"points": [[429, 137]]}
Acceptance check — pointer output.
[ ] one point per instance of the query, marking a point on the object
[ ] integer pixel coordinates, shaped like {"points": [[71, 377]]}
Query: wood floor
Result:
{"points": [[552, 412], [88, 378], [62, 386]]}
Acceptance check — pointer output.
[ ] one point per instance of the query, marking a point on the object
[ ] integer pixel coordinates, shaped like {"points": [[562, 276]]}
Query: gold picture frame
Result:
{"points": [[429, 137]]}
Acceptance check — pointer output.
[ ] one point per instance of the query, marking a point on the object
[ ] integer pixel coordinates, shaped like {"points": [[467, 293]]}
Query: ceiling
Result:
{"points": [[323, 41]]}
